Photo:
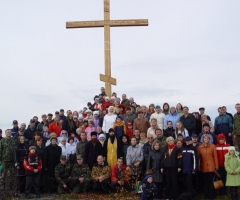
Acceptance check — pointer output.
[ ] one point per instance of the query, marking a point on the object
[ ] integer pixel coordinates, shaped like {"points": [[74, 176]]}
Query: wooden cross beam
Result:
{"points": [[107, 23]]}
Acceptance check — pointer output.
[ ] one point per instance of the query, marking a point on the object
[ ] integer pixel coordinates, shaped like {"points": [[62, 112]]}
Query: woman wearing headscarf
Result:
{"points": [[208, 165], [20, 152], [109, 119], [124, 139]]}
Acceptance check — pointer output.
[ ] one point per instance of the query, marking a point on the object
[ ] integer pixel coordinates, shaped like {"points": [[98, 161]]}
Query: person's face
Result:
{"points": [[194, 139], [156, 146], [44, 118], [201, 111], [32, 150], [133, 141], [37, 137], [172, 110], [159, 134], [120, 162], [140, 115], [150, 139], [128, 112], [70, 141], [111, 133], [83, 136], [220, 111], [178, 125], [118, 120], [221, 141], [204, 118], [136, 133], [165, 107], [238, 108], [23, 125], [63, 142], [185, 111], [36, 119], [206, 140], [150, 180], [107, 99], [96, 115], [56, 115], [49, 118], [20, 133], [124, 139], [206, 129], [80, 161], [158, 110], [61, 113], [169, 124], [142, 137], [180, 137], [39, 142], [90, 124], [15, 125], [54, 141], [111, 110], [100, 159], [232, 152], [170, 141], [154, 122], [70, 115], [151, 108], [224, 109], [64, 133], [22, 140], [75, 120], [131, 100], [124, 97], [179, 106], [93, 137], [144, 109], [32, 124], [188, 142], [101, 139], [102, 89], [179, 144], [99, 130], [63, 162]]}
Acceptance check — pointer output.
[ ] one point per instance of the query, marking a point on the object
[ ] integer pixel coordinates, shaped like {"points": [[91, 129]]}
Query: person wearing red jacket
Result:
{"points": [[106, 104], [55, 127], [119, 178], [222, 149], [32, 165], [129, 130]]}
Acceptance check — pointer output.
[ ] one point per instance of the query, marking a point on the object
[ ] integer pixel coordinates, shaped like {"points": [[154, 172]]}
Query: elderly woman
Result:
{"points": [[208, 165], [171, 165], [20, 152], [63, 134], [109, 119], [49, 140], [154, 164], [151, 130], [65, 147]]}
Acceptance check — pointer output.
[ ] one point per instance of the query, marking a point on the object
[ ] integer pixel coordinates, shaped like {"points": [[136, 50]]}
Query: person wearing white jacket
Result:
{"points": [[159, 116], [109, 119], [64, 145]]}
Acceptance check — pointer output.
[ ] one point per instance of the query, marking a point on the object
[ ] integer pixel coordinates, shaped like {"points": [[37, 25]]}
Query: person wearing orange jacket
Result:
{"points": [[119, 176], [222, 149]]}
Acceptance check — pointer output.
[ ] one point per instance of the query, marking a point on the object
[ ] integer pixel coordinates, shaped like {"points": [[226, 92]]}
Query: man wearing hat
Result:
{"points": [[29, 132], [159, 115], [81, 176], [141, 123], [63, 175], [129, 116], [190, 162], [32, 165], [15, 129], [195, 142], [49, 118], [93, 150]]}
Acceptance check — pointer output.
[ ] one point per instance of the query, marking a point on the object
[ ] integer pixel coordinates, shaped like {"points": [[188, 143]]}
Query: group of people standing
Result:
{"points": [[116, 145]]}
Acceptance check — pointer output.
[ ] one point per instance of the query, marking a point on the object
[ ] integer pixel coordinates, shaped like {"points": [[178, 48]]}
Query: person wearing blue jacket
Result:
{"points": [[223, 124], [172, 116], [149, 189], [190, 162]]}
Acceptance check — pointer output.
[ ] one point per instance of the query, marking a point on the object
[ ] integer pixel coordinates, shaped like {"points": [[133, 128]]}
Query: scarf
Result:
{"points": [[170, 148]]}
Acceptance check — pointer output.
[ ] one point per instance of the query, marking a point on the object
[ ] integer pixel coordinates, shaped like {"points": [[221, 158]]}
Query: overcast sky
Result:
{"points": [[189, 53]]}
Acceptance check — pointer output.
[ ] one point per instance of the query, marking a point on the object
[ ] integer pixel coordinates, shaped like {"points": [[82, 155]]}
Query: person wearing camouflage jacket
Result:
{"points": [[236, 124], [7, 145], [101, 174], [63, 175], [80, 175]]}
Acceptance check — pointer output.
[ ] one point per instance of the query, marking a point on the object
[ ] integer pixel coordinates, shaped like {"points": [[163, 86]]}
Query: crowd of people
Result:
{"points": [[115, 145]]}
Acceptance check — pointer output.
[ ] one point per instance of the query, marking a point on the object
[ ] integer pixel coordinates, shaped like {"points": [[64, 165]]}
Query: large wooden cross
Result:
{"points": [[107, 23]]}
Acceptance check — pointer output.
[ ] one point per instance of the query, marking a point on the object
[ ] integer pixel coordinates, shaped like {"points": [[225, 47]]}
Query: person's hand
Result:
{"points": [[229, 134], [65, 186], [18, 167], [35, 170], [81, 179], [179, 169], [161, 170], [193, 172]]}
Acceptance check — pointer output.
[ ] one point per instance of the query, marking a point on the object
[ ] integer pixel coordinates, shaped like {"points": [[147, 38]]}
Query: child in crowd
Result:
{"points": [[119, 127], [232, 166], [149, 189], [129, 130], [32, 165]]}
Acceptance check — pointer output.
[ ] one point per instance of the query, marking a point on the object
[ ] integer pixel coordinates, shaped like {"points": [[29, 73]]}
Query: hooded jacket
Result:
{"points": [[222, 149], [174, 118]]}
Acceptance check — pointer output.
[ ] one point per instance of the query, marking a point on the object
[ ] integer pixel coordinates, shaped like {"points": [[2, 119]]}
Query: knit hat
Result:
{"points": [[93, 133], [96, 112], [101, 135], [148, 176], [221, 136], [88, 111], [53, 138], [188, 138], [119, 117], [32, 147], [129, 124]]}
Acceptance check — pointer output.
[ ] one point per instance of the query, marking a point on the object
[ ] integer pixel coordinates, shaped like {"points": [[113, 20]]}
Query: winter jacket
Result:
{"points": [[108, 122], [162, 141], [53, 127], [149, 189], [174, 160], [129, 118], [142, 124], [134, 154], [29, 133], [14, 132], [120, 129], [88, 131], [190, 159], [117, 173], [174, 118], [146, 150], [189, 123], [223, 124], [169, 132], [160, 119], [222, 149], [32, 162], [80, 149], [231, 164], [236, 124], [20, 152], [208, 158]]}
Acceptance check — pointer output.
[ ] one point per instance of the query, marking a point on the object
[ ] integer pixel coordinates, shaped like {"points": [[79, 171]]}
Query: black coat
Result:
{"points": [[154, 163], [40, 151], [198, 128], [51, 159], [169, 132], [29, 133], [92, 152], [146, 150], [174, 160], [189, 123], [66, 126], [20, 152]]}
